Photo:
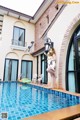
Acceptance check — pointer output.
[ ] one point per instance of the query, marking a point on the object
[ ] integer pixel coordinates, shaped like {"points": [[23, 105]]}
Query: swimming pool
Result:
{"points": [[20, 100]]}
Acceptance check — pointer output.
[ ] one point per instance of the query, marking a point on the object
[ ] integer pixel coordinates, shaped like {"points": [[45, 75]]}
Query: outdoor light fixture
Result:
{"points": [[48, 45], [32, 42], [29, 47]]}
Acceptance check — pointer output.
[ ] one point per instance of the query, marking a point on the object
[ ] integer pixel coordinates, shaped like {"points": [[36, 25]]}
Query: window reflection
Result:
{"points": [[78, 33], [72, 64], [18, 36]]}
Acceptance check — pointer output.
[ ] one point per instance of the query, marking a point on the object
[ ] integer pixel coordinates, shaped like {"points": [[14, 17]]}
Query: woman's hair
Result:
{"points": [[51, 52]]}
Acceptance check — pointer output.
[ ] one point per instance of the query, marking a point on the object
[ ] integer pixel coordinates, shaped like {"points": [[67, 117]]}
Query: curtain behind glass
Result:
{"points": [[71, 75], [71, 59], [18, 37], [14, 70], [21, 37], [27, 69], [24, 65], [10, 73], [6, 70]]}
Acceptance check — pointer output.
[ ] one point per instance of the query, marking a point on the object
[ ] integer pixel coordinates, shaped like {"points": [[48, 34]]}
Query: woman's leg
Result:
{"points": [[54, 81], [53, 77]]}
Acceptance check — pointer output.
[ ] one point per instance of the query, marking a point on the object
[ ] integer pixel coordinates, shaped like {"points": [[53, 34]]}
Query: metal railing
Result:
{"points": [[19, 43]]}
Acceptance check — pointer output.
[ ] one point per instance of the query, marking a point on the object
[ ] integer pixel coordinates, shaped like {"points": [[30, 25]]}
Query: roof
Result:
{"points": [[33, 19]]}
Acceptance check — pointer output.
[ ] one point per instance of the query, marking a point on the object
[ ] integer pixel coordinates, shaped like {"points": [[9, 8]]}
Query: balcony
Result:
{"points": [[19, 45]]}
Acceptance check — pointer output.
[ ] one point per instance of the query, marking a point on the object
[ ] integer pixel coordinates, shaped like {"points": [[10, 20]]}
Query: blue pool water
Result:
{"points": [[21, 101]]}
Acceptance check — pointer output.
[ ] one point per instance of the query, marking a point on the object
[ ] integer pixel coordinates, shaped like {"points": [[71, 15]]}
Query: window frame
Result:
{"points": [[5, 67], [19, 34], [44, 59], [67, 71], [31, 66]]}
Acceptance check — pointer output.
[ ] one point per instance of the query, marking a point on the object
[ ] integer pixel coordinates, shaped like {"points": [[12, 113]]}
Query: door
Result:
{"points": [[77, 56], [26, 69], [43, 69], [11, 70], [71, 69], [73, 63]]}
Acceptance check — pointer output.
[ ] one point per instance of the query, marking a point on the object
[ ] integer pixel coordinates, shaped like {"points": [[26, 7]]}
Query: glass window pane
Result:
{"points": [[71, 82], [14, 70], [79, 45], [10, 73], [29, 72], [6, 70], [78, 33], [24, 69], [71, 65], [16, 33], [18, 37], [42, 57], [21, 37], [27, 69], [78, 53], [43, 72]]}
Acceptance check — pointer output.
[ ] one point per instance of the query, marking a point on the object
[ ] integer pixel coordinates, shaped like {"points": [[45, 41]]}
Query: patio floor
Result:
{"points": [[69, 113]]}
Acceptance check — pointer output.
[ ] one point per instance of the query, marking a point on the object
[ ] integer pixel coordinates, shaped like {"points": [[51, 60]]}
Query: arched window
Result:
{"points": [[73, 63]]}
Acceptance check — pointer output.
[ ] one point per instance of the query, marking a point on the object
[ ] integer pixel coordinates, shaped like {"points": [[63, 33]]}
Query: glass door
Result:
{"points": [[43, 69], [71, 73], [73, 63], [14, 70], [77, 55], [26, 69], [11, 70]]}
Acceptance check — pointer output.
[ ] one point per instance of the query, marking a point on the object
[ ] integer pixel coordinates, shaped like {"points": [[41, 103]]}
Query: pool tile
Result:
{"points": [[33, 100]]}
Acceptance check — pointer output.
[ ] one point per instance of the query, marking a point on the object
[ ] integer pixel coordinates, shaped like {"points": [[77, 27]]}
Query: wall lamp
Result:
{"points": [[48, 45], [29, 47]]}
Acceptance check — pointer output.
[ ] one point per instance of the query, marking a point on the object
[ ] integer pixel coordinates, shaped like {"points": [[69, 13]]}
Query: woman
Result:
{"points": [[51, 67]]}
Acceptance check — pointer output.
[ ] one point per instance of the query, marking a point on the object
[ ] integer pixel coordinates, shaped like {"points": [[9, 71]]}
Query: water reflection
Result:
{"points": [[23, 100]]}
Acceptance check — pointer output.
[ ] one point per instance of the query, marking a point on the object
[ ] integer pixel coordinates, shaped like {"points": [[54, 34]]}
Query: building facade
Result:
{"points": [[17, 36], [59, 22], [64, 33], [14, 56]]}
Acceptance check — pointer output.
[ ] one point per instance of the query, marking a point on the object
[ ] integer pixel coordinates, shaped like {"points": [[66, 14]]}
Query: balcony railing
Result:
{"points": [[19, 43]]}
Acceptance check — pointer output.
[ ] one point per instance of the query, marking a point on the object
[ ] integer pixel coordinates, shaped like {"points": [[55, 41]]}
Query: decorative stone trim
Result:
{"points": [[63, 49]]}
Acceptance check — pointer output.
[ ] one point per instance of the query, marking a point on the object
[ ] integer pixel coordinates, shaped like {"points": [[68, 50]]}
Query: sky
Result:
{"points": [[28, 7]]}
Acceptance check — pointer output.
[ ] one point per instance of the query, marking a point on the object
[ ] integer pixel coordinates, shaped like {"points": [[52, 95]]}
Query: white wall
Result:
{"points": [[58, 29], [5, 42]]}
